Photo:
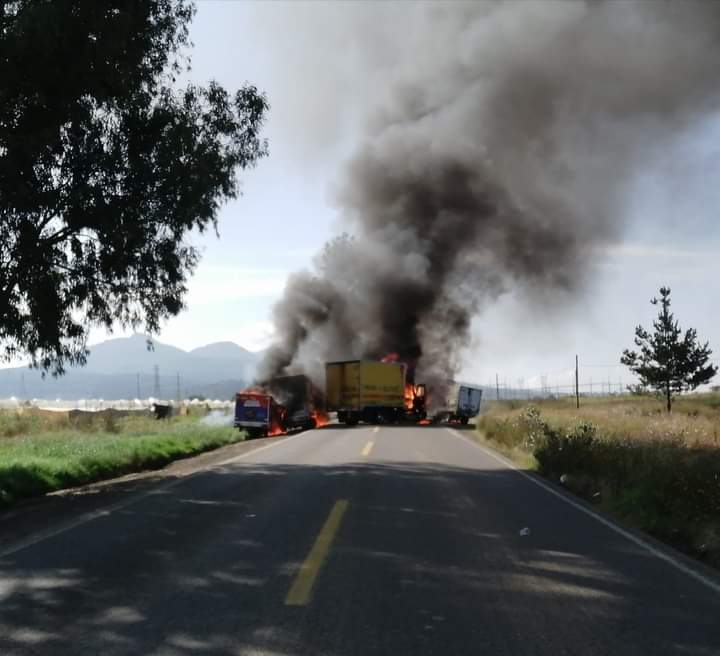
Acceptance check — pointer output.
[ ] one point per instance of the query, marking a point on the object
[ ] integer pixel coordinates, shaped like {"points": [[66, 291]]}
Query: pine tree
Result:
{"points": [[669, 361]]}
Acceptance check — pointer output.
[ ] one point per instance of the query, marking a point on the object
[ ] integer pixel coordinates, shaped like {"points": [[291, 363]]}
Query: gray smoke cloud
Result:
{"points": [[497, 152]]}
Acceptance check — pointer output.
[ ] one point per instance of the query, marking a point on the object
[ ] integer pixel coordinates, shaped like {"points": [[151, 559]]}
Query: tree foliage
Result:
{"points": [[669, 361], [106, 166]]}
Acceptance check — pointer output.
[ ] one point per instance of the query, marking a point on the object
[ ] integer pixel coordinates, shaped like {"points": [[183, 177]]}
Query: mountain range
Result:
{"points": [[124, 368]]}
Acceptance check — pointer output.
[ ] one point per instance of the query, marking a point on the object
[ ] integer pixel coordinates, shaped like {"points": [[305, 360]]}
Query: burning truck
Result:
{"points": [[373, 392], [368, 391], [282, 404]]}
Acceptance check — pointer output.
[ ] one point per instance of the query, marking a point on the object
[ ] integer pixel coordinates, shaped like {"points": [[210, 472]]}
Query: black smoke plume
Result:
{"points": [[497, 156]]}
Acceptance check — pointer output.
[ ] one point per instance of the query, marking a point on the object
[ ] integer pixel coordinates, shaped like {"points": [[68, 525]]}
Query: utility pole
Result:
{"points": [[577, 384], [497, 386], [156, 385]]}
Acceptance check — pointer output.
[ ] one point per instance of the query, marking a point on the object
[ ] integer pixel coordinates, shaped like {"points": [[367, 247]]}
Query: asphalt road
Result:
{"points": [[349, 541]]}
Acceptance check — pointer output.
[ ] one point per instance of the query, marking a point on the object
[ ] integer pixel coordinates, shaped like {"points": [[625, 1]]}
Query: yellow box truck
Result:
{"points": [[368, 391]]}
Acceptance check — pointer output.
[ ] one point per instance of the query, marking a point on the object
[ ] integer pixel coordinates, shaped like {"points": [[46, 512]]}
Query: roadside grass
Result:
{"points": [[659, 473], [44, 456], [504, 437], [12, 424], [695, 419]]}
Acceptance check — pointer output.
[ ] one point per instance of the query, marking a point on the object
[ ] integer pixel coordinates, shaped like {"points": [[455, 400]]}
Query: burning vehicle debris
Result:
{"points": [[283, 404]]}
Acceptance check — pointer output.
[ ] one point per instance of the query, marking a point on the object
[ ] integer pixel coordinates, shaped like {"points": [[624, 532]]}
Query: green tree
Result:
{"points": [[107, 166], [669, 361]]}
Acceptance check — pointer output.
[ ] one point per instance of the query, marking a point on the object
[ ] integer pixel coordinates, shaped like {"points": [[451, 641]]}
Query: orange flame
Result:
{"points": [[277, 419], [391, 357], [254, 389], [412, 392], [409, 396], [320, 418]]}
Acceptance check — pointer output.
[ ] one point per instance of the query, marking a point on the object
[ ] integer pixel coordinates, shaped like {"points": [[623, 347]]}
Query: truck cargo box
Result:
{"points": [[365, 390], [258, 414], [463, 403]]}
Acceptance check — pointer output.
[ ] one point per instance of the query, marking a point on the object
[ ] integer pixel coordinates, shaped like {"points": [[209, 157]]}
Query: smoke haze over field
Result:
{"points": [[499, 144]]}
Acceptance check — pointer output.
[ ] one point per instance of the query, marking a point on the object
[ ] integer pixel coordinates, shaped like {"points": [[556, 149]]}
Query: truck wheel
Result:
{"points": [[464, 420]]}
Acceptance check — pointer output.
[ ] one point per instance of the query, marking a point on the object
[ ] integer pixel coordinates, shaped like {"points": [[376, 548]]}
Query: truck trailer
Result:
{"points": [[258, 414], [462, 403], [284, 403], [372, 392]]}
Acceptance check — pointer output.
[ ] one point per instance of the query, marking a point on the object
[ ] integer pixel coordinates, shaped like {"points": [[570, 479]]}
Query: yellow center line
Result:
{"points": [[368, 448], [302, 586]]}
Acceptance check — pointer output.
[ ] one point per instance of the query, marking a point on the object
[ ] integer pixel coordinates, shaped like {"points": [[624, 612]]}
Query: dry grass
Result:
{"points": [[659, 472], [694, 421]]}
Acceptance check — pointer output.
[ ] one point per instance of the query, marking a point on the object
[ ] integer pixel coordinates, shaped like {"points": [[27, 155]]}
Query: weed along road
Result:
{"points": [[396, 540]]}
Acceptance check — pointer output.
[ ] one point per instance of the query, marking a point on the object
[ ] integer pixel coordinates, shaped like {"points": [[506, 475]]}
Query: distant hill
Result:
{"points": [[131, 355], [223, 351], [214, 371]]}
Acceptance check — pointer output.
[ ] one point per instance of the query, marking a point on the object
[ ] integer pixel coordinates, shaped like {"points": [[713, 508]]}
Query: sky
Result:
{"points": [[300, 56]]}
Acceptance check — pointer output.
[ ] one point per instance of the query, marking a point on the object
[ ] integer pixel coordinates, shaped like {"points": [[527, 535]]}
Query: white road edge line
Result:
{"points": [[701, 578], [108, 510]]}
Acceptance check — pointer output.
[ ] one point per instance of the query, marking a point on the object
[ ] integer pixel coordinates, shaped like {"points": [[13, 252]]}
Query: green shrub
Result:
{"points": [[559, 454], [664, 486]]}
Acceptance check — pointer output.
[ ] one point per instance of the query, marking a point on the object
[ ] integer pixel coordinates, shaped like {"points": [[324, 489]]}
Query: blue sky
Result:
{"points": [[286, 212]]}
